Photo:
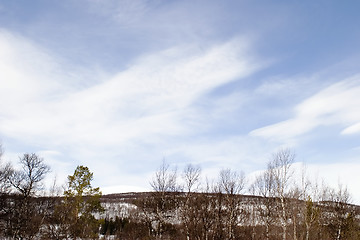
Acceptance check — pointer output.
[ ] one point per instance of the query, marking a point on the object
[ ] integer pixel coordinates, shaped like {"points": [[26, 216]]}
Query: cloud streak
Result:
{"points": [[337, 104], [155, 89], [146, 103]]}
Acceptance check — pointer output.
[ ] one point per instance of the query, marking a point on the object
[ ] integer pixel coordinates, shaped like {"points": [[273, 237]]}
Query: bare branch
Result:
{"points": [[28, 180], [231, 182], [191, 175], [164, 179]]}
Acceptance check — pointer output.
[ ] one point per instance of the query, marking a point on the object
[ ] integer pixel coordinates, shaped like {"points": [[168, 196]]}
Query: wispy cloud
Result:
{"points": [[153, 90], [147, 102], [353, 129], [336, 105]]}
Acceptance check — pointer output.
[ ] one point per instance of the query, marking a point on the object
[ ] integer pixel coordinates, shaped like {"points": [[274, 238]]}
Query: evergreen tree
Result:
{"points": [[81, 202]]}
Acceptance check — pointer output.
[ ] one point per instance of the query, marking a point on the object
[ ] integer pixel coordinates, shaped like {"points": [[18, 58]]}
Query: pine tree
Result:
{"points": [[81, 202]]}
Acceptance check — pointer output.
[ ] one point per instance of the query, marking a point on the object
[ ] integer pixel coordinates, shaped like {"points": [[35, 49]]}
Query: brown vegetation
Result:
{"points": [[179, 207]]}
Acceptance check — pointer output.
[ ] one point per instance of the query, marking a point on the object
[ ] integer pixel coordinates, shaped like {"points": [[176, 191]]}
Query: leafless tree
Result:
{"points": [[189, 206], [191, 177], [231, 184], [298, 195], [5, 171], [28, 180], [340, 213], [163, 200], [165, 180], [26, 213], [57, 220], [264, 186], [200, 216], [280, 167]]}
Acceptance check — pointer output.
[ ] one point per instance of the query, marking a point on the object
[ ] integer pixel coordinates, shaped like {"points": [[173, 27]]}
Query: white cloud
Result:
{"points": [[23, 69], [353, 129], [144, 99], [144, 104], [337, 104]]}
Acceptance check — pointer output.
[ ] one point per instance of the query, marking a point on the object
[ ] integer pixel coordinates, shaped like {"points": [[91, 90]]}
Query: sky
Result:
{"points": [[121, 85]]}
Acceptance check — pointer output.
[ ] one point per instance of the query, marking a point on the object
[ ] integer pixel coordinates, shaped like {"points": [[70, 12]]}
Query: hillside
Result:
{"points": [[224, 216]]}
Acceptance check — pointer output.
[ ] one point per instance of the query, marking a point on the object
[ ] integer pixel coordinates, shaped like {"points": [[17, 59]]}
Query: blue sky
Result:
{"points": [[120, 85]]}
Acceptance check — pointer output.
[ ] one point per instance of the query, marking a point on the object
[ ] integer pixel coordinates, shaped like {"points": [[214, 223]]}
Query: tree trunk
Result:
{"points": [[267, 237], [307, 232], [339, 233], [283, 222], [295, 228]]}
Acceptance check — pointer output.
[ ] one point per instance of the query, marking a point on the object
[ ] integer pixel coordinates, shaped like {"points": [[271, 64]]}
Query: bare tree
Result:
{"points": [[298, 196], [340, 217], [26, 216], [163, 199], [280, 167], [264, 186], [53, 227], [165, 180], [231, 184], [302, 209], [191, 176], [189, 207], [5, 171], [28, 180]]}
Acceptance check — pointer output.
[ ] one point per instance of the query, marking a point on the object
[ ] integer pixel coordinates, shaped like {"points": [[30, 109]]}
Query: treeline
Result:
{"points": [[282, 205]]}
